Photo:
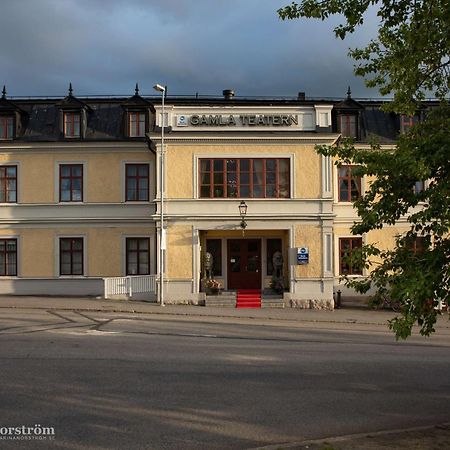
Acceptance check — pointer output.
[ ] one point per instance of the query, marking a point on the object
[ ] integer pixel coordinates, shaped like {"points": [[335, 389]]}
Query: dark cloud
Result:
{"points": [[105, 46]]}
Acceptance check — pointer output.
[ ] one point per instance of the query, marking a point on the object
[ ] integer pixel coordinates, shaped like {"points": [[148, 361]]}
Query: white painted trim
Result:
{"points": [[158, 174], [245, 139], [64, 147], [292, 264], [196, 263], [327, 177], [327, 239], [175, 110], [321, 109]]}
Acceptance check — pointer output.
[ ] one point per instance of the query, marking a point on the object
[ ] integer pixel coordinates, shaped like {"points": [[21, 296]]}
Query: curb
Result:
{"points": [[336, 439]]}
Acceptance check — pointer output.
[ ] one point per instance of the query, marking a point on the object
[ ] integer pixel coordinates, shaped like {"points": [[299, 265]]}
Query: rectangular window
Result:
{"points": [[248, 177], [72, 124], [416, 245], [407, 122], [138, 256], [346, 249], [136, 124], [214, 246], [349, 185], [8, 184], [137, 182], [8, 257], [6, 127], [71, 256], [71, 182], [347, 125]]}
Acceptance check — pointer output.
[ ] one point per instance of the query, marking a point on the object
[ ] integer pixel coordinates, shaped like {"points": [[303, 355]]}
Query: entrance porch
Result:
{"points": [[255, 260]]}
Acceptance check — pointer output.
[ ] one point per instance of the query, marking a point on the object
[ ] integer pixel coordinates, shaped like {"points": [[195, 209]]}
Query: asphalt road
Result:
{"points": [[130, 381]]}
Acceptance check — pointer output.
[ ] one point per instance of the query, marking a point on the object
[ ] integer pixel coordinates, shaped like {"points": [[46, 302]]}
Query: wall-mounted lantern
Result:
{"points": [[243, 212]]}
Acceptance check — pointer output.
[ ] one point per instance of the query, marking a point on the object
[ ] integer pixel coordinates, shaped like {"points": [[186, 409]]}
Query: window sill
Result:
{"points": [[236, 199], [71, 203], [71, 277]]}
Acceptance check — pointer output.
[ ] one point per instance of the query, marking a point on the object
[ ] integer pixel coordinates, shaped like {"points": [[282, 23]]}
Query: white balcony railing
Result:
{"points": [[129, 285]]}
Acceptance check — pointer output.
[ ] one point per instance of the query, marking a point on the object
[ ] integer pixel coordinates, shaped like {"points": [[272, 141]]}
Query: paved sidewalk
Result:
{"points": [[341, 316]]}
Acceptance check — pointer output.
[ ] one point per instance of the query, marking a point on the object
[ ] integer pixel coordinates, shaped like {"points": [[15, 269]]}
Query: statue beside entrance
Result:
{"points": [[208, 264], [210, 285], [277, 283], [277, 262]]}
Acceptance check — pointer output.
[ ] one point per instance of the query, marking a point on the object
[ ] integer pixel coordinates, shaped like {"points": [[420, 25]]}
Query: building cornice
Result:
{"points": [[37, 147], [241, 138]]}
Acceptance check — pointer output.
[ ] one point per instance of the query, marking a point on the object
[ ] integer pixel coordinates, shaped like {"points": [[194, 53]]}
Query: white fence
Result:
{"points": [[129, 285]]}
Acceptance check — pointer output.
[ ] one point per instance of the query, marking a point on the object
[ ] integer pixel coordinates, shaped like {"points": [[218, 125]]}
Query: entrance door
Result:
{"points": [[244, 263]]}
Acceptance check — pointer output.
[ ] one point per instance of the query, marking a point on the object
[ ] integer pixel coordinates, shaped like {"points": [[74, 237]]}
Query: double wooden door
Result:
{"points": [[244, 263]]}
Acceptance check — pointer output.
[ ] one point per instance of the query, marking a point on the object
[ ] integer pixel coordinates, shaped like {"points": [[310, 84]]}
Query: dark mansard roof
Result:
{"points": [[106, 117]]}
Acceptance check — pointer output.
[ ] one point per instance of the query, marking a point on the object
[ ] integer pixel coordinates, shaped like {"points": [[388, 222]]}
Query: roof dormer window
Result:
{"points": [[137, 115], [72, 122], [348, 117], [136, 124], [11, 117], [73, 117], [6, 127], [347, 125]]}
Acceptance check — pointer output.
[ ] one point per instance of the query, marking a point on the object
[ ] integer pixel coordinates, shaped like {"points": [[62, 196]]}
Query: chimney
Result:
{"points": [[228, 94], [301, 96]]}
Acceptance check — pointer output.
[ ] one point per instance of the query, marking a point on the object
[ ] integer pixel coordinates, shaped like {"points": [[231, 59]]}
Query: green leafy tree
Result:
{"points": [[408, 59]]}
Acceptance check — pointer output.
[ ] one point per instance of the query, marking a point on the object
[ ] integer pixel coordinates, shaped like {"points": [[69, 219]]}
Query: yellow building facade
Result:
{"points": [[217, 156], [80, 195]]}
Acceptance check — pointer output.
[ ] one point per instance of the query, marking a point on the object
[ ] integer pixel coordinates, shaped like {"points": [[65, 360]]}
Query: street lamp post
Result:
{"points": [[162, 237]]}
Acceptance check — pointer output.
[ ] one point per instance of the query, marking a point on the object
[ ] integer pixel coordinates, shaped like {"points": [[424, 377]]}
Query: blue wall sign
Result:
{"points": [[302, 255]]}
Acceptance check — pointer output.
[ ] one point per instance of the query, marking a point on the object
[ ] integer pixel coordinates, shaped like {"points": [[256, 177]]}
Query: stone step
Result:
{"points": [[220, 305], [220, 300], [271, 304]]}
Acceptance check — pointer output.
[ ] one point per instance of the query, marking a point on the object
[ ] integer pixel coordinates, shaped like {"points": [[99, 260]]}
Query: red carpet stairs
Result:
{"points": [[248, 298]]}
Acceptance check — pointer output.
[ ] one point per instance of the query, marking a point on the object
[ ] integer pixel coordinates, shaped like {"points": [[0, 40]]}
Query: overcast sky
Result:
{"points": [[105, 46]]}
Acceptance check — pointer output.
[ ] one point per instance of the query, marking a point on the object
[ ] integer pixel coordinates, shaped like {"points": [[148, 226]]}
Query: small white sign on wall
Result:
{"points": [[163, 239]]}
